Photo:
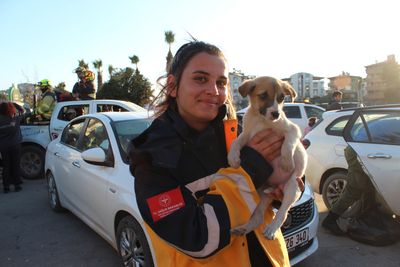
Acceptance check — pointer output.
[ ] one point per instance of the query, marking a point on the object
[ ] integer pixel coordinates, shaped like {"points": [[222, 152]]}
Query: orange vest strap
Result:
{"points": [[230, 129]]}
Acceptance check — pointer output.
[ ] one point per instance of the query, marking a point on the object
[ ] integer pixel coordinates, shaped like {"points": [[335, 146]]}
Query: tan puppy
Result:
{"points": [[266, 95]]}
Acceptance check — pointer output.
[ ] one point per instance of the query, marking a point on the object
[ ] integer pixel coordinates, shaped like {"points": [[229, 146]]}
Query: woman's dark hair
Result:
{"points": [[184, 54]]}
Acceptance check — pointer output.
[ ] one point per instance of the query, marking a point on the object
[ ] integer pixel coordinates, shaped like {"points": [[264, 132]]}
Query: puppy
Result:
{"points": [[266, 95]]}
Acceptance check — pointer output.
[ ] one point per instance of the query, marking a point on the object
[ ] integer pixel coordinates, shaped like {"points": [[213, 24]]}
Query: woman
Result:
{"points": [[184, 187], [10, 146]]}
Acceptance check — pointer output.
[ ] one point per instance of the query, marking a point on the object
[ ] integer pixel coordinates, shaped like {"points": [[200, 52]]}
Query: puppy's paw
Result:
{"points": [[270, 231], [234, 158], [287, 163], [240, 230]]}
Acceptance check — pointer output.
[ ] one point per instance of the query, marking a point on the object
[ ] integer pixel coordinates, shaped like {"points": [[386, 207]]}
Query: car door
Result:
{"points": [[375, 135], [67, 154], [65, 114], [93, 179]]}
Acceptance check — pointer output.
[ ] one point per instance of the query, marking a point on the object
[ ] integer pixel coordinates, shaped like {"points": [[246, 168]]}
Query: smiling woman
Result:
{"points": [[184, 187]]}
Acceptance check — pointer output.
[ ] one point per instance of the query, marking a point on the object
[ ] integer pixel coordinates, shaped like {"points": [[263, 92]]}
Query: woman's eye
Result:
{"points": [[201, 79], [221, 84]]}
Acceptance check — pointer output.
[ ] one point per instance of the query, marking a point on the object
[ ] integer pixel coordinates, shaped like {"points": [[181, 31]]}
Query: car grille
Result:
{"points": [[298, 216]]}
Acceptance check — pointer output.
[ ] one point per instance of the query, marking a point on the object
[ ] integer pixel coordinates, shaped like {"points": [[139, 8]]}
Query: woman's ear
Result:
{"points": [[171, 86]]}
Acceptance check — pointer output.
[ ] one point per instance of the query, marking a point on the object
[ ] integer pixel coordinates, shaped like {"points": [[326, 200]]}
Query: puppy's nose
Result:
{"points": [[275, 114]]}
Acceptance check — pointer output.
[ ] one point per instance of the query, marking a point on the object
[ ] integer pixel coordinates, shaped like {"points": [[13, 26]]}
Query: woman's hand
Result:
{"points": [[268, 143]]}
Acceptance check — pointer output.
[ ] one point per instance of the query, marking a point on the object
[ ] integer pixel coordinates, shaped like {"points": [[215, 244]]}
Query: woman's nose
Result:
{"points": [[212, 89]]}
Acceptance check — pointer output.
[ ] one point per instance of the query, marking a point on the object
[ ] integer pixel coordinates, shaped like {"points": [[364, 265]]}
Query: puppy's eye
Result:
{"points": [[263, 96], [280, 98]]}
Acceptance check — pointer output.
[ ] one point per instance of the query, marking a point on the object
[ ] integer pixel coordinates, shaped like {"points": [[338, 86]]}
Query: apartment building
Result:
{"points": [[376, 81]]}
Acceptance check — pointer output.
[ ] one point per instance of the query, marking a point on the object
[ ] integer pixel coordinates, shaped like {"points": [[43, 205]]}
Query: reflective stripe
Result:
{"points": [[239, 179], [244, 189], [213, 234]]}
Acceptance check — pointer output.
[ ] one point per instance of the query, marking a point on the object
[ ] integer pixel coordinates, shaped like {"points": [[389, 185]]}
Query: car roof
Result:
{"points": [[347, 111], [106, 102], [118, 116]]}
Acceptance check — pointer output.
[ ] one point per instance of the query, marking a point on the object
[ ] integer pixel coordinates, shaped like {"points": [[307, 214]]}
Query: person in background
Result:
{"points": [[187, 211], [335, 104], [358, 186], [62, 94], [10, 146], [47, 100], [84, 87], [311, 123]]}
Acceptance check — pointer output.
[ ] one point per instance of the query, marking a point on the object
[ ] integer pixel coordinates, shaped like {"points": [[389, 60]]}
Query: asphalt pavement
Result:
{"points": [[31, 234]]}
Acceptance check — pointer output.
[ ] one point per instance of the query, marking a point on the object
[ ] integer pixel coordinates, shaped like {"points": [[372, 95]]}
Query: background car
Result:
{"points": [[298, 113], [88, 173], [374, 133]]}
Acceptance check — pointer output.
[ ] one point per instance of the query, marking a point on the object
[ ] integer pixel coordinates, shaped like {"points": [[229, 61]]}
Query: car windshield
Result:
{"points": [[128, 130]]}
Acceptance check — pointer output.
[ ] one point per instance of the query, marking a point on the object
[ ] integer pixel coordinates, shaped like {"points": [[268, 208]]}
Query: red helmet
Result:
{"points": [[89, 75]]}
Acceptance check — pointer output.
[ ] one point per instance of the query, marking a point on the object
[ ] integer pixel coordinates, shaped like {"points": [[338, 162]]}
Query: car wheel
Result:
{"points": [[333, 187], [54, 199], [132, 244], [32, 162]]}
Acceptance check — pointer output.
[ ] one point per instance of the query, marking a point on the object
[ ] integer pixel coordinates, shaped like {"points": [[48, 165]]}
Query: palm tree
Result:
{"points": [[169, 38], [110, 70], [134, 60], [98, 64], [83, 64]]}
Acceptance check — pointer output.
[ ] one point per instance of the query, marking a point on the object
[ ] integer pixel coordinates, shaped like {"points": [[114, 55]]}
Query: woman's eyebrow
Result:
{"points": [[201, 72]]}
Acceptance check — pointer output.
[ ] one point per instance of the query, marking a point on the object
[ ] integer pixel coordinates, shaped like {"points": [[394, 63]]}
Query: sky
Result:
{"points": [[44, 39]]}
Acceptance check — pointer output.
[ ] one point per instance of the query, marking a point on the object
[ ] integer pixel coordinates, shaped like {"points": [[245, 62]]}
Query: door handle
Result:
{"points": [[57, 154], [112, 190], [76, 164], [379, 156]]}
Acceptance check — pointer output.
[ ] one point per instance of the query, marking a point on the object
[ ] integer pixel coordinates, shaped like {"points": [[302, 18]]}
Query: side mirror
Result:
{"points": [[96, 156]]}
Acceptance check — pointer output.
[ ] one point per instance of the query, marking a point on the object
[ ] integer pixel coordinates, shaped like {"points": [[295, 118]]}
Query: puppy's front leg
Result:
{"points": [[291, 194], [287, 152], [256, 218], [234, 152]]}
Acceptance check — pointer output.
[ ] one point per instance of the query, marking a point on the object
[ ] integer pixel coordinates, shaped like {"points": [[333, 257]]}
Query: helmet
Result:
{"points": [[45, 83], [89, 75], [79, 70]]}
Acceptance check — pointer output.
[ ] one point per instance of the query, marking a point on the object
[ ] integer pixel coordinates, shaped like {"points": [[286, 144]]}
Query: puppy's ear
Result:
{"points": [[288, 90], [247, 87]]}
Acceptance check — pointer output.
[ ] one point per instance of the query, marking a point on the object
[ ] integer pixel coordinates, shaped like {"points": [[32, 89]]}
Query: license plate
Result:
{"points": [[296, 239]]}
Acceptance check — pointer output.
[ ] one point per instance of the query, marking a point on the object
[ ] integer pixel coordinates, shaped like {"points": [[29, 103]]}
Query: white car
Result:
{"points": [[298, 113], [88, 173], [374, 133]]}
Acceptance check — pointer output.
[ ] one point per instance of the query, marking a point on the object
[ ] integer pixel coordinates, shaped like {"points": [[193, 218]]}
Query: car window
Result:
{"points": [[95, 135], [377, 127], [313, 112], [70, 135], [336, 127], [292, 112], [69, 112], [114, 108], [127, 130]]}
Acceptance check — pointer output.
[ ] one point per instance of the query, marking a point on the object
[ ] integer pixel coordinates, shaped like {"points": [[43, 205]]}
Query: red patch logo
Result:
{"points": [[165, 203]]}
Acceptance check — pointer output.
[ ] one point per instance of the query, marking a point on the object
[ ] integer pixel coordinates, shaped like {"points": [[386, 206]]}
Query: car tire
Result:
{"points": [[133, 247], [32, 162], [54, 199], [333, 187]]}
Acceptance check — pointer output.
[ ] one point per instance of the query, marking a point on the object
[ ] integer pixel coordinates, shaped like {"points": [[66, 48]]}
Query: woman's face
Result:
{"points": [[202, 89]]}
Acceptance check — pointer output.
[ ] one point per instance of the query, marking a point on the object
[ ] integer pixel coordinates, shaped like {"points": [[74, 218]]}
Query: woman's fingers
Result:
{"points": [[268, 143]]}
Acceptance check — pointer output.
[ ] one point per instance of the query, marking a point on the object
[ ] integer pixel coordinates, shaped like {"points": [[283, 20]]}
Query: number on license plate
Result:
{"points": [[296, 239]]}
